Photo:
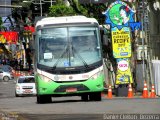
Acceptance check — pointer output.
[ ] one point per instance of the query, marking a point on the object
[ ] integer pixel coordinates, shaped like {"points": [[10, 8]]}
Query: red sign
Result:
{"points": [[123, 65], [29, 28], [10, 36]]}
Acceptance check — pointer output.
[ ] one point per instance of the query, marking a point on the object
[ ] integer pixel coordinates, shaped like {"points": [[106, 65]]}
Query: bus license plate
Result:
{"points": [[71, 89]]}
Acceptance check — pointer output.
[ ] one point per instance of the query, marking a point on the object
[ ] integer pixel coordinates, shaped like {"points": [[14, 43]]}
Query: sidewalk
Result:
{"points": [[10, 116]]}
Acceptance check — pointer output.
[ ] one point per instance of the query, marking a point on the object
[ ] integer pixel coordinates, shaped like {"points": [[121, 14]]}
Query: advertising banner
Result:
{"points": [[2, 39], [121, 42], [120, 18], [123, 74], [11, 37], [119, 15], [29, 28]]}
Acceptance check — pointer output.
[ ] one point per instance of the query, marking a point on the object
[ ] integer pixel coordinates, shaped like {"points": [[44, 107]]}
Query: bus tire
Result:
{"points": [[44, 99], [40, 99], [95, 96], [84, 97]]}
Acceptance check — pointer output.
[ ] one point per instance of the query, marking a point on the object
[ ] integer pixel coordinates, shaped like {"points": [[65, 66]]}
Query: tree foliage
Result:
{"points": [[61, 9], [95, 10], [1, 24], [0, 21], [75, 8]]}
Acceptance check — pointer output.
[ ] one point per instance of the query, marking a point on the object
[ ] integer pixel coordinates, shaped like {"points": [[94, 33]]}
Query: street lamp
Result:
{"points": [[41, 7]]}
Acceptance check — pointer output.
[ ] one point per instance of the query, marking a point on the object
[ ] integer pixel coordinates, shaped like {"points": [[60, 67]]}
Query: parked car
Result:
{"points": [[25, 85], [6, 68], [6, 75]]}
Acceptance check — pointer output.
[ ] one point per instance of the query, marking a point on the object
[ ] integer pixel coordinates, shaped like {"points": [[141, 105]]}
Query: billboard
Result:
{"points": [[123, 73], [121, 42]]}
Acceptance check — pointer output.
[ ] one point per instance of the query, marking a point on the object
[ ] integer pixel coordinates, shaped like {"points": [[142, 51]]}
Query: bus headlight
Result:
{"points": [[44, 78], [95, 76]]}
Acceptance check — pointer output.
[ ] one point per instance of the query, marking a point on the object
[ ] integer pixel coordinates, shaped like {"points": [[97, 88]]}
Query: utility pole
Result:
{"points": [[41, 7], [147, 65], [143, 56], [51, 2]]}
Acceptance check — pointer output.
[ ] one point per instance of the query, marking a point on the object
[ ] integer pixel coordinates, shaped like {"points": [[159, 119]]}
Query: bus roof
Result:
{"points": [[65, 19]]}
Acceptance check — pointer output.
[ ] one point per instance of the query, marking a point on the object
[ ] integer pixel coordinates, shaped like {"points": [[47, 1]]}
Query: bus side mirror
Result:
{"points": [[105, 40]]}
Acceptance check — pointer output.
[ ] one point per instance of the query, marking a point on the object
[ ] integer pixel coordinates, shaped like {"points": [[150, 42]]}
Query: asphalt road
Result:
{"points": [[72, 108]]}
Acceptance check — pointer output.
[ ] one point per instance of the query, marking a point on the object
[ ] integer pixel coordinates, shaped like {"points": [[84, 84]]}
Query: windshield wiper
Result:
{"points": [[65, 51], [84, 62]]}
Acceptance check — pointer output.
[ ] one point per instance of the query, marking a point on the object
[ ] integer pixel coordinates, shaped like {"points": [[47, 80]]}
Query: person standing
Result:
{"points": [[28, 58]]}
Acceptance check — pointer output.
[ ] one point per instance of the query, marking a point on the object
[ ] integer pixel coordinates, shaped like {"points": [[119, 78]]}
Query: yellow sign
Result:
{"points": [[123, 74], [121, 42], [2, 39]]}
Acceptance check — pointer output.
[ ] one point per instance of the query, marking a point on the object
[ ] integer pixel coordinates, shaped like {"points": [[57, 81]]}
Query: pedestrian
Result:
{"points": [[15, 63], [28, 58]]}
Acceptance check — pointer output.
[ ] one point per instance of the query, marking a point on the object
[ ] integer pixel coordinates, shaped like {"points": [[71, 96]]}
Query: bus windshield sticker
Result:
{"points": [[48, 56], [66, 63]]}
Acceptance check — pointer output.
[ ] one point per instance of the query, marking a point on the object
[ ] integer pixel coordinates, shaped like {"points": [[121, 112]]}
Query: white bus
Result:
{"points": [[68, 59]]}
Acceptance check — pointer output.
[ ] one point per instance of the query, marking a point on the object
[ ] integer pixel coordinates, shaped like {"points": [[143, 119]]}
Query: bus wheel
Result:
{"points": [[84, 97], [96, 96], [44, 99]]}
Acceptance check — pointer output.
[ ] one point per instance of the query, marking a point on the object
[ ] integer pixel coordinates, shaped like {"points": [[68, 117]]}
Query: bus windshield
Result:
{"points": [[68, 46]]}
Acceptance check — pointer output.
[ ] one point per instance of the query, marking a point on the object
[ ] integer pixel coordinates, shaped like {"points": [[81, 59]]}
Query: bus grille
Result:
{"points": [[80, 87]]}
